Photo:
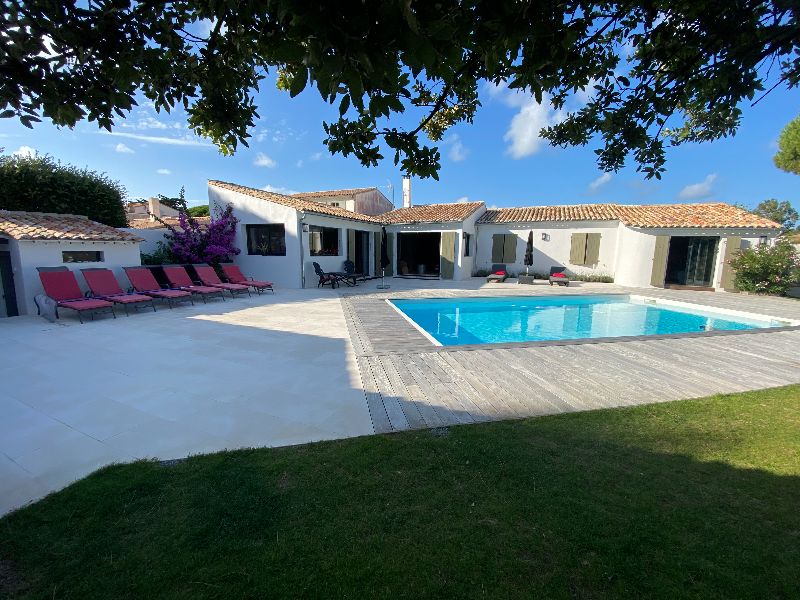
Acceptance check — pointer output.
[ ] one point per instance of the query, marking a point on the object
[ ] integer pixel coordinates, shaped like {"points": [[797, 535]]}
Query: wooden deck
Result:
{"points": [[410, 383]]}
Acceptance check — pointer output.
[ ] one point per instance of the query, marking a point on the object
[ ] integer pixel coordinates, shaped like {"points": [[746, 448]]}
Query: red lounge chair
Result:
{"points": [[142, 280], [235, 275], [210, 278], [104, 286], [60, 284], [179, 279]]}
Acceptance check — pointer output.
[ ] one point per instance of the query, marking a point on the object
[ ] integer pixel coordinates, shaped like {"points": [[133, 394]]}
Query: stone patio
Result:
{"points": [[282, 369]]}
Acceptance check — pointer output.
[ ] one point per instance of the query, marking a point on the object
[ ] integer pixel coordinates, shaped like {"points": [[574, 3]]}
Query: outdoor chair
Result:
{"points": [[208, 276], [558, 276], [234, 275], [350, 272], [60, 284], [142, 280], [325, 277], [179, 279], [103, 285], [498, 274]]}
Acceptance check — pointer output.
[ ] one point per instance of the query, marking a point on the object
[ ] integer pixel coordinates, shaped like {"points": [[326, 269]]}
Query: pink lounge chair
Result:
{"points": [[142, 280], [61, 285], [210, 278], [179, 279], [235, 275], [104, 286]]}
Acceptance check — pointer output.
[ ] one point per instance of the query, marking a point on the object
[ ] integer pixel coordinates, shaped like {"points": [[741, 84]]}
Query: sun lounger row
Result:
{"points": [[61, 285]]}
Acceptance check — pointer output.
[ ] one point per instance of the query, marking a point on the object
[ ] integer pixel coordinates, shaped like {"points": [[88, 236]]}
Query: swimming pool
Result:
{"points": [[453, 322]]}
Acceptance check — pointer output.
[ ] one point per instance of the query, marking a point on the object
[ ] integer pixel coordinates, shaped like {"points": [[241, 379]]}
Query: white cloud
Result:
{"points": [[697, 191], [276, 189], [157, 139], [262, 160], [456, 151], [600, 182], [299, 163], [25, 151], [163, 171], [123, 149], [316, 156], [523, 133], [462, 199]]}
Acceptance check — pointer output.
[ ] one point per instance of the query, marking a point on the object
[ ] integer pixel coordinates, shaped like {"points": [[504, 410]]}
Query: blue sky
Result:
{"points": [[499, 159]]}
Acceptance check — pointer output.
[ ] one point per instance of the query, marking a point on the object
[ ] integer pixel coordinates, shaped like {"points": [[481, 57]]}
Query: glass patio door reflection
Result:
{"points": [[700, 258]]}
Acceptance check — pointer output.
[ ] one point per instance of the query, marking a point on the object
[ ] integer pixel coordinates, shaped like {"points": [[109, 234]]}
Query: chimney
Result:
{"points": [[153, 208], [406, 192]]}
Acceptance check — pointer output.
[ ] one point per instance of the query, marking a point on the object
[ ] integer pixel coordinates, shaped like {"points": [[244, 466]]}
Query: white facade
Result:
{"points": [[27, 255]]}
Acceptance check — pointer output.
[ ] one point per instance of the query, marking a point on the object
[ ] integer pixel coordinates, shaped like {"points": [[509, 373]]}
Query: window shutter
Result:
{"points": [[390, 251], [497, 247], [351, 244], [732, 245], [448, 255], [577, 249], [592, 248], [660, 254], [510, 249]]}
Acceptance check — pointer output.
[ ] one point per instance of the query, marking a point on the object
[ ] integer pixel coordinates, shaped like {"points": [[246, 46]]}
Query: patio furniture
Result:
{"points": [[104, 285], [558, 276], [60, 284], [498, 274], [179, 279], [351, 273], [143, 281], [324, 277], [208, 276], [234, 275]]}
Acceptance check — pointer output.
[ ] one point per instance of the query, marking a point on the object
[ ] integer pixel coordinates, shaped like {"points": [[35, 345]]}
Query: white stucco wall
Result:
{"points": [[27, 255], [151, 237], [553, 252], [636, 248], [283, 271]]}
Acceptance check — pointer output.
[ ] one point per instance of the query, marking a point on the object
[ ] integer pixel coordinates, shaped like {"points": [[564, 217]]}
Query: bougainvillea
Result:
{"points": [[767, 269], [195, 242]]}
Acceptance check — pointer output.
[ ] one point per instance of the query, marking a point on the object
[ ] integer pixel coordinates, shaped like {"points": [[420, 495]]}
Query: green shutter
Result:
{"points": [[660, 254], [448, 255], [497, 247], [577, 249], [376, 251], [592, 248], [728, 279], [390, 250], [351, 245], [510, 249]]}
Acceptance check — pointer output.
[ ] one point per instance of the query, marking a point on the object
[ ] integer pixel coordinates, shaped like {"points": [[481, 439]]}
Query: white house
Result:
{"points": [[31, 239], [637, 245], [365, 201]]}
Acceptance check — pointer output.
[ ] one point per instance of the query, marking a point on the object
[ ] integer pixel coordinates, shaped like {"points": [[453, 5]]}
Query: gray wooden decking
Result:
{"points": [[409, 383]]}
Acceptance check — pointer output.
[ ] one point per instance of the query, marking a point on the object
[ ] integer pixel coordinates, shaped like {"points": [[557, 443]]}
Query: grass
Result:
{"points": [[686, 499]]}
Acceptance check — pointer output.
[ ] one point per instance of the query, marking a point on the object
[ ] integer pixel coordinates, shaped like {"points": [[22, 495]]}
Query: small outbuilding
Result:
{"points": [[32, 239]]}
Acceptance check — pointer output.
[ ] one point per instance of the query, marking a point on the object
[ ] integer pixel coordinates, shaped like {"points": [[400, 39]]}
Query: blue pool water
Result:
{"points": [[453, 322]]}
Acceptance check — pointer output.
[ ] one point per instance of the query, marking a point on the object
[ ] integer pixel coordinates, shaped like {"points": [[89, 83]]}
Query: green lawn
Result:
{"points": [[688, 499]]}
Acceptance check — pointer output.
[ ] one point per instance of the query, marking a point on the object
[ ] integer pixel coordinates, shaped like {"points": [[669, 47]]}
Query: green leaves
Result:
{"points": [[661, 71], [788, 156]]}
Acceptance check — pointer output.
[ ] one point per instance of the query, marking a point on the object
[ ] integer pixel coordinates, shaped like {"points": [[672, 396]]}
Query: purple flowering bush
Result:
{"points": [[767, 269], [195, 242]]}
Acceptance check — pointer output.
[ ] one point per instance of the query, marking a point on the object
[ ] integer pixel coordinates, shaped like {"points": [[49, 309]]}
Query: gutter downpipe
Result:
{"points": [[301, 217]]}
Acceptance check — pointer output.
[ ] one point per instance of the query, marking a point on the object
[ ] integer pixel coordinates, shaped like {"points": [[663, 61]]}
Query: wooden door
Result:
{"points": [[447, 260]]}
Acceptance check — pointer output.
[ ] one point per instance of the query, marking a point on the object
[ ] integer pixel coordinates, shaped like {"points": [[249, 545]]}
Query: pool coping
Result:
{"points": [[437, 346]]}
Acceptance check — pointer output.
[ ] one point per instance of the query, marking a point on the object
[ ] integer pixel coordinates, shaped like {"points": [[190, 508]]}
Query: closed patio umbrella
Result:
{"points": [[529, 253], [385, 260]]}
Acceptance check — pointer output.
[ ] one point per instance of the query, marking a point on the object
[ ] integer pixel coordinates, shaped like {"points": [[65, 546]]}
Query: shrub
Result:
{"points": [[199, 211], [39, 183], [161, 256], [767, 269], [592, 278], [195, 243]]}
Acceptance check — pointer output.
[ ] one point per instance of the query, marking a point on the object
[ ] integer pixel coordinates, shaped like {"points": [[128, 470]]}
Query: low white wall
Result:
{"points": [[553, 252], [151, 237], [27, 255]]}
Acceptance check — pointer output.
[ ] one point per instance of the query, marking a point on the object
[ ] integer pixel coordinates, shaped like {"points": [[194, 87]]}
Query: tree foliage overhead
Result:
{"points": [[788, 156], [779, 211], [40, 184], [659, 71]]}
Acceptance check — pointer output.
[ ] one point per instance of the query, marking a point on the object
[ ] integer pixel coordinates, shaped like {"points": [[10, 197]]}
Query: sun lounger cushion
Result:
{"points": [[87, 304], [61, 285], [235, 275]]}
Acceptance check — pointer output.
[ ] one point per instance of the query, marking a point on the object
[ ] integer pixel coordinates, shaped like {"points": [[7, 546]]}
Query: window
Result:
{"points": [[504, 248], [467, 243], [762, 240], [584, 249], [266, 240], [334, 204], [323, 241], [76, 256]]}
